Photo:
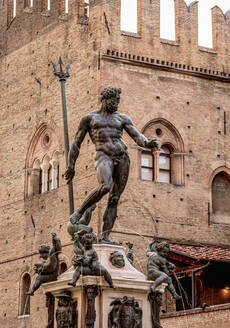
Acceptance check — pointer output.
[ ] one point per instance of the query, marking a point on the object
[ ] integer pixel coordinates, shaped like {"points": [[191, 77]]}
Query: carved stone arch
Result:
{"points": [[169, 134], [36, 164], [44, 141], [43, 145], [56, 155], [169, 145], [221, 169]]}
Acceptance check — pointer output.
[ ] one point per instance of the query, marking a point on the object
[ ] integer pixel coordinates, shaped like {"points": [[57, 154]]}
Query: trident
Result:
{"points": [[62, 79]]}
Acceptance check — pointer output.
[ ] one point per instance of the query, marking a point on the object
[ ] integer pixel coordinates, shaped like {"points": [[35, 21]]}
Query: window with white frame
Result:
{"points": [[147, 166], [165, 164], [156, 165]]}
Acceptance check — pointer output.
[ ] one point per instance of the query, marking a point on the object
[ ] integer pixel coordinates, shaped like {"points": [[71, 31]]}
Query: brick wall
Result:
{"points": [[192, 103], [214, 316]]}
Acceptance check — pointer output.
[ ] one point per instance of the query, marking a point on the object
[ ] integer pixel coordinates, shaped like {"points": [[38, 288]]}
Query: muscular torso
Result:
{"points": [[105, 131], [155, 261]]}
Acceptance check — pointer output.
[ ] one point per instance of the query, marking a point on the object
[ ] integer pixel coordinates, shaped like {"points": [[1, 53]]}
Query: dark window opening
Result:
{"points": [[220, 195], [25, 300]]}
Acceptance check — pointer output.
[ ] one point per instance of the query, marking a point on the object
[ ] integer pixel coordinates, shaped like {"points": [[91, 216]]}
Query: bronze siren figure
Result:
{"points": [[105, 127]]}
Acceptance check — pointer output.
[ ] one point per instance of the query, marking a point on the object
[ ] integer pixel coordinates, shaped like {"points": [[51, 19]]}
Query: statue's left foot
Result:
{"points": [[75, 217], [113, 286], [29, 293]]}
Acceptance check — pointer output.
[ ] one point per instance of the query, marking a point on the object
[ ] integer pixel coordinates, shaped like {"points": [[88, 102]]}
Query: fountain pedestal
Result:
{"points": [[129, 282]]}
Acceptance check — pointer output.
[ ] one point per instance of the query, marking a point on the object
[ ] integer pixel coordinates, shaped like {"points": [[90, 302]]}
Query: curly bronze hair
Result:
{"points": [[163, 245], [109, 92], [44, 248], [89, 236]]}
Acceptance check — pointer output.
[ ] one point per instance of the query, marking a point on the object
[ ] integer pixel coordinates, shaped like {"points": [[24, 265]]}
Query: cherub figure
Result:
{"points": [[77, 245], [88, 264], [48, 269], [159, 268]]}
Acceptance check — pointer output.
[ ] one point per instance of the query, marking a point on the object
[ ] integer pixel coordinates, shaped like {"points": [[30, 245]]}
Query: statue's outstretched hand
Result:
{"points": [[69, 174], [152, 144]]}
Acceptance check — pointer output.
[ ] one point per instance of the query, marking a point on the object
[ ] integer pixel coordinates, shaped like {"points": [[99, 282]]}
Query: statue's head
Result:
{"points": [[76, 236], [130, 300], [88, 239], [163, 249], [117, 259], [44, 251], [110, 98]]}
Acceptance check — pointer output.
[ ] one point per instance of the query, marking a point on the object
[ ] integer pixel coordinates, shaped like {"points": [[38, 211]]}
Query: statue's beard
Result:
{"points": [[112, 107]]}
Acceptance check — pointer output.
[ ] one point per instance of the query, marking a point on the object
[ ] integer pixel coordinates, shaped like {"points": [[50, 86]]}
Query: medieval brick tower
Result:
{"points": [[175, 91]]}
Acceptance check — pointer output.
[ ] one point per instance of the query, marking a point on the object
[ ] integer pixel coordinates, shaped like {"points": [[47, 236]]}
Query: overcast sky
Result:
{"points": [[128, 22]]}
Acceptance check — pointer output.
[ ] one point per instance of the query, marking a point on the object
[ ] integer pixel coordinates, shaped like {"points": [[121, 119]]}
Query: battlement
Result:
{"points": [[30, 18]]}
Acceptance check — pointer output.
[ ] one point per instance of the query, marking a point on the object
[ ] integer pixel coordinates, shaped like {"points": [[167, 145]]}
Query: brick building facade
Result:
{"points": [[173, 90]]}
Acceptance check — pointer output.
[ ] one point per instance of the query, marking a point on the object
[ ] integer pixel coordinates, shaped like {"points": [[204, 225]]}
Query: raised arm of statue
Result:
{"points": [[152, 247], [57, 247], [75, 148], [138, 137]]}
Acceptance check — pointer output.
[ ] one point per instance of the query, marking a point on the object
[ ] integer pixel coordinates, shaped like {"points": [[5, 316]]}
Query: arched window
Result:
{"points": [[49, 178], [45, 166], [24, 299], [40, 181], [165, 165], [43, 162], [221, 195], [55, 169]]}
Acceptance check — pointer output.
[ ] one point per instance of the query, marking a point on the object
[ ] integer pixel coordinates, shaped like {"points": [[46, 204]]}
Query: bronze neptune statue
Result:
{"points": [[105, 127]]}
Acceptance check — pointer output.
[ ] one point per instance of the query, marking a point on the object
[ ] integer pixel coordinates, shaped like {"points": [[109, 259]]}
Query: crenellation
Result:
{"points": [[32, 21]]}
